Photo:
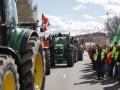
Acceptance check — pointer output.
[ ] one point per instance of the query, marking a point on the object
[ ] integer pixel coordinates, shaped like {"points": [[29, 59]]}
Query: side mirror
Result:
{"points": [[41, 30]]}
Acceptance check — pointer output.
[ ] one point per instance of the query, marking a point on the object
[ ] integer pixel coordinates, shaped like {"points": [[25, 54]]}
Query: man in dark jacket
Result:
{"points": [[100, 62]]}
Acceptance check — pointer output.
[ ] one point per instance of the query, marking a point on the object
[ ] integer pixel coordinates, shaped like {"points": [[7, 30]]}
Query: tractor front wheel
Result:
{"points": [[9, 78], [32, 66]]}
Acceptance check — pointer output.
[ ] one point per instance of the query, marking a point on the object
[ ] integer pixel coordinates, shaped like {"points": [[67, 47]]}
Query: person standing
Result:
{"points": [[99, 63], [112, 64], [108, 61], [117, 63], [92, 57]]}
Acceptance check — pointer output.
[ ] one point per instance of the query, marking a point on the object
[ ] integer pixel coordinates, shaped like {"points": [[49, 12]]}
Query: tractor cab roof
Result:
{"points": [[60, 35]]}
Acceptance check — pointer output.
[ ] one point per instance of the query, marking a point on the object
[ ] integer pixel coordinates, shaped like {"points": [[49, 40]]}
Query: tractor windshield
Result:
{"points": [[10, 11], [0, 10], [62, 40], [59, 40]]}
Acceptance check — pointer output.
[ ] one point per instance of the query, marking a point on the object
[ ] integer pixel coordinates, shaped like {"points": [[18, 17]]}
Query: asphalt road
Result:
{"points": [[79, 77]]}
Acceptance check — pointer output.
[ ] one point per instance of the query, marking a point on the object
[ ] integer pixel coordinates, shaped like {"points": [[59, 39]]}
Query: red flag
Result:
{"points": [[44, 19], [44, 27], [45, 23]]}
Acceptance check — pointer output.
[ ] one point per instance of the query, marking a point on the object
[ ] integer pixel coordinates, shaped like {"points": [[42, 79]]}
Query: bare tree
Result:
{"points": [[112, 24]]}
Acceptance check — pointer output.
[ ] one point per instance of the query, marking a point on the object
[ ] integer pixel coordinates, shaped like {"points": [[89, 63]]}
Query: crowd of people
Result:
{"points": [[105, 60]]}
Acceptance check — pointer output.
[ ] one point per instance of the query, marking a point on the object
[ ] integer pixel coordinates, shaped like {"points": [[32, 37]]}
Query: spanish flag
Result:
{"points": [[45, 23], [44, 19]]}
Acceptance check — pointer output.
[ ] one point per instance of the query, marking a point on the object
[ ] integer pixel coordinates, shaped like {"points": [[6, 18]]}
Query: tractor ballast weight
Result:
{"points": [[60, 49], [20, 59]]}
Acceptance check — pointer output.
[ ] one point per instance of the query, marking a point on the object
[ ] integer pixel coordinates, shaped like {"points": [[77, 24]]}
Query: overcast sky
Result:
{"points": [[77, 16]]}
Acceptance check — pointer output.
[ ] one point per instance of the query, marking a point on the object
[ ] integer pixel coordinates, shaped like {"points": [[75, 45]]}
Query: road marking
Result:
{"points": [[64, 76]]}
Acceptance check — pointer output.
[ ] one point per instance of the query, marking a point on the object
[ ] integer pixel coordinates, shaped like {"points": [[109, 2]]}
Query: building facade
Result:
{"points": [[25, 11], [95, 38]]}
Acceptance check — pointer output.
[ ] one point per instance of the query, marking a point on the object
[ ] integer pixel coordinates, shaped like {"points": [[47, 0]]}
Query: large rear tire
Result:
{"points": [[47, 59], [80, 56], [52, 60], [75, 55], [70, 60], [9, 79], [32, 68]]}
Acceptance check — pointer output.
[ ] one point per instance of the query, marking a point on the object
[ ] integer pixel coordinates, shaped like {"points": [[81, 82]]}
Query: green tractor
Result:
{"points": [[21, 55], [61, 51]]}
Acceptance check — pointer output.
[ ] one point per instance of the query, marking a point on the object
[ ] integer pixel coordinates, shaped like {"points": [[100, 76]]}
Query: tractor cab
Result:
{"points": [[8, 20], [8, 13]]}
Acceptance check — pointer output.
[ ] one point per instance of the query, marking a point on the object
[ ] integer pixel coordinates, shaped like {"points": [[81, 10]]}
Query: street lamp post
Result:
{"points": [[93, 37], [98, 38], [107, 15], [108, 21]]}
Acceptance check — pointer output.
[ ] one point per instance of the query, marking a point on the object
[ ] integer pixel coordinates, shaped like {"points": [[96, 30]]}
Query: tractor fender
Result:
{"points": [[25, 38], [10, 51], [15, 40], [19, 40]]}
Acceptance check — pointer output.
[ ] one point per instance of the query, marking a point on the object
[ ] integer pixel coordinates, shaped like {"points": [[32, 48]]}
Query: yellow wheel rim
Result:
{"points": [[9, 82], [38, 71]]}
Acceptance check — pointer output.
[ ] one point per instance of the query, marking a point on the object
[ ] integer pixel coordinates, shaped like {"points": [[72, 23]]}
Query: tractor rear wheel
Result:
{"points": [[80, 57], [32, 67], [52, 60], [47, 59], [9, 79], [70, 60]]}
